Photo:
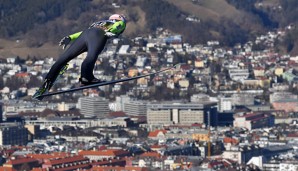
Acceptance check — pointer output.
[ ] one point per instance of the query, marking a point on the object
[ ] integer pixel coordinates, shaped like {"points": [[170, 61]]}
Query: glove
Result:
{"points": [[109, 34], [64, 42]]}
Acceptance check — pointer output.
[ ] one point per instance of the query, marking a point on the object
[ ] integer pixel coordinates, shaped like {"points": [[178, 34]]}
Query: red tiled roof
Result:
{"points": [[49, 156], [17, 161], [2, 168], [127, 168], [230, 140], [65, 160], [22, 74], [76, 167], [156, 132], [102, 147], [107, 152], [39, 169]]}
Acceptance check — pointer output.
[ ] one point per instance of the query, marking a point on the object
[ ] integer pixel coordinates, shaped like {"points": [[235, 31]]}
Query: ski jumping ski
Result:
{"points": [[104, 83], [42, 90]]}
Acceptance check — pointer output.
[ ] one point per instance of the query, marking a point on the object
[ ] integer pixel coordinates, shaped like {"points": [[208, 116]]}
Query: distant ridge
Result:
{"points": [[39, 25]]}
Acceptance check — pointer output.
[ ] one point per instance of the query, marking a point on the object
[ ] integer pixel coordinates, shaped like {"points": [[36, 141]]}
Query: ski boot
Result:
{"points": [[85, 82], [46, 86]]}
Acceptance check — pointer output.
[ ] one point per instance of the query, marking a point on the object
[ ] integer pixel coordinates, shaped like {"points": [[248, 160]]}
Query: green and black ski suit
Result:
{"points": [[92, 41]]}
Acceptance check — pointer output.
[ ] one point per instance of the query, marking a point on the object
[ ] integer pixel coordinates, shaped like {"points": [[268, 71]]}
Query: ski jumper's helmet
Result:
{"points": [[120, 24], [117, 17]]}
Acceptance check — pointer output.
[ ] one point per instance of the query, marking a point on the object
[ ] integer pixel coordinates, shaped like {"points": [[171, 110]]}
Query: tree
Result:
{"points": [[34, 82], [1, 83], [14, 83]]}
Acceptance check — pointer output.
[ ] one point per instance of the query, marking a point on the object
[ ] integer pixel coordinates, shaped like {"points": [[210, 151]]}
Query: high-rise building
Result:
{"points": [[119, 103], [159, 116], [92, 107], [225, 113], [225, 104], [135, 108], [181, 113], [188, 117], [13, 134]]}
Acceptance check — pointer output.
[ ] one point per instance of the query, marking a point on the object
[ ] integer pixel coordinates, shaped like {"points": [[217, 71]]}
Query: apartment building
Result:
{"points": [[225, 104], [135, 108], [288, 105], [277, 96], [238, 74], [13, 134], [253, 120], [92, 107], [83, 123], [242, 154], [67, 163], [181, 113], [104, 154]]}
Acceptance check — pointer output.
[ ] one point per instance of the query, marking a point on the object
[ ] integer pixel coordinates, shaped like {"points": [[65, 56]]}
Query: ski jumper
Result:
{"points": [[92, 41]]}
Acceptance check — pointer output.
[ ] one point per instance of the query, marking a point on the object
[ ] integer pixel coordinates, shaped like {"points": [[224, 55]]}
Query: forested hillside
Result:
{"points": [[42, 23], [18, 16]]}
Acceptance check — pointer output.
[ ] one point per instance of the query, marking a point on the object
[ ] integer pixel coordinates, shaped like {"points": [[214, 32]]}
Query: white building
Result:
{"points": [[93, 106], [159, 117], [123, 50], [243, 99], [225, 104], [82, 123], [119, 103], [135, 108], [141, 60], [276, 96], [238, 74], [177, 113], [257, 161]]}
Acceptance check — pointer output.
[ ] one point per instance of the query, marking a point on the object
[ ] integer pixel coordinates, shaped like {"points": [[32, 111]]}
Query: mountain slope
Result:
{"points": [[39, 25]]}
